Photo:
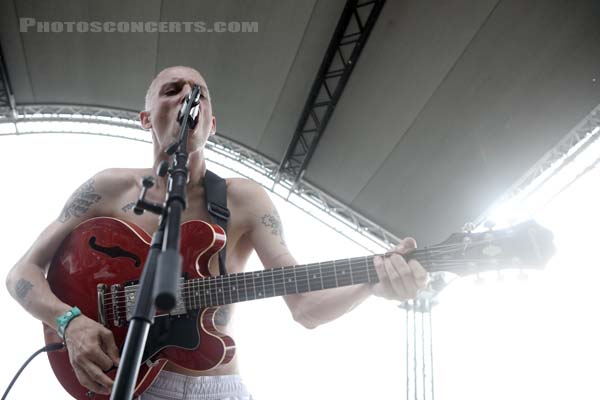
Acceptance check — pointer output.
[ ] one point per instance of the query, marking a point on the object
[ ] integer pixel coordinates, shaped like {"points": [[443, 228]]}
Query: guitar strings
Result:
{"points": [[213, 298], [276, 277], [428, 252]]}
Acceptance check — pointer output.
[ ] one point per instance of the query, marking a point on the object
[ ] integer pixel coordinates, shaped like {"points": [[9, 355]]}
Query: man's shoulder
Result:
{"points": [[247, 195], [242, 188], [118, 179]]}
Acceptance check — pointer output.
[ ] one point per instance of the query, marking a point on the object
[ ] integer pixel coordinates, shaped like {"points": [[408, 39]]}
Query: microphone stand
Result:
{"points": [[162, 271]]}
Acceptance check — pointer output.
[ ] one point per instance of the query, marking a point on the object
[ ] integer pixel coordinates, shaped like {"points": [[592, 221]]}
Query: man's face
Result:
{"points": [[165, 99]]}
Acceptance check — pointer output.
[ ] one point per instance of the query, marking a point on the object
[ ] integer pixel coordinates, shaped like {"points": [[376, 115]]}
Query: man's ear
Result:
{"points": [[213, 127], [145, 119]]}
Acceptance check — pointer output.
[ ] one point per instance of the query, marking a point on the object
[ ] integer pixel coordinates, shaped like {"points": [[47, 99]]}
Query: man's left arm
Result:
{"points": [[398, 279]]}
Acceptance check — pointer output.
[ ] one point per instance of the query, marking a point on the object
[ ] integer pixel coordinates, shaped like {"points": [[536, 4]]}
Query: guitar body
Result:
{"points": [[91, 270]]}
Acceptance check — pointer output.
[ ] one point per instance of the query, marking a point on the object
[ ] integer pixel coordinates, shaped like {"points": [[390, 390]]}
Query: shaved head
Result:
{"points": [[163, 102], [154, 85]]}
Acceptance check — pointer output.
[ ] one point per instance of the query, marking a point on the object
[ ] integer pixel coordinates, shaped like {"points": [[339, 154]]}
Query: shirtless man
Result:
{"points": [[111, 193]]}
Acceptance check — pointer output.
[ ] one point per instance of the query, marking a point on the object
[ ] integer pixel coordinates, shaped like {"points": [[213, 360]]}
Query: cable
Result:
{"points": [[50, 347]]}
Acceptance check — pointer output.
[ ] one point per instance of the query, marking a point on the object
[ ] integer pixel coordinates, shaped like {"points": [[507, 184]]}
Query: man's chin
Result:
{"points": [[175, 134], [191, 132]]}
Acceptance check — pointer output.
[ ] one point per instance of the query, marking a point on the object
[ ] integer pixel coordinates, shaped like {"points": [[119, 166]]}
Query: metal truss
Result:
{"points": [[76, 113], [342, 212], [581, 136], [7, 100], [419, 350], [351, 34], [247, 163], [419, 336]]}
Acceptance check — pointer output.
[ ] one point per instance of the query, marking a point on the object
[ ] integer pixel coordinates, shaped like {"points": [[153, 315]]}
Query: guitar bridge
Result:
{"points": [[118, 320], [101, 290]]}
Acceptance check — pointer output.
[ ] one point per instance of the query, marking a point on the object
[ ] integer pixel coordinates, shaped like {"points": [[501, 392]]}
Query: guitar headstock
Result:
{"points": [[524, 246]]}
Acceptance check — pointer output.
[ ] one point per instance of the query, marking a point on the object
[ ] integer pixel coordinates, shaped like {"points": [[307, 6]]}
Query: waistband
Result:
{"points": [[173, 385]]}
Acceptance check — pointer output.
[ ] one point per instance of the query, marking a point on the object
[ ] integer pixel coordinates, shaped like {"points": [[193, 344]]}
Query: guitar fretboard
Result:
{"points": [[280, 281], [464, 254]]}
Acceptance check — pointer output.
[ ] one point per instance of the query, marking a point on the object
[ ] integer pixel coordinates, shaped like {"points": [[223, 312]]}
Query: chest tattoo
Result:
{"points": [[128, 206]]}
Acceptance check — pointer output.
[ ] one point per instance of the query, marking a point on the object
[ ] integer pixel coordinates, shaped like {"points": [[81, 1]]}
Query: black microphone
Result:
{"points": [[194, 108]]}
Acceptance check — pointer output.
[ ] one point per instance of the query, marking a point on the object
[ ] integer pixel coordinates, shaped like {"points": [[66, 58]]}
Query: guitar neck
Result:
{"points": [[526, 245], [280, 281]]}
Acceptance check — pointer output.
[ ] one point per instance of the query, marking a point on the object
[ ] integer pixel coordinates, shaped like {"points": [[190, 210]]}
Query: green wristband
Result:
{"points": [[64, 320]]}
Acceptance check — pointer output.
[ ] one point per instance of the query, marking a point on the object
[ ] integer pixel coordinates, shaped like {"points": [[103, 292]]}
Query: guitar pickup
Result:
{"points": [[130, 292]]}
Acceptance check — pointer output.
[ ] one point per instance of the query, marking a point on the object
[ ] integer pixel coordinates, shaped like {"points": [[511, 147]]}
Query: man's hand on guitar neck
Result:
{"points": [[92, 350], [398, 279]]}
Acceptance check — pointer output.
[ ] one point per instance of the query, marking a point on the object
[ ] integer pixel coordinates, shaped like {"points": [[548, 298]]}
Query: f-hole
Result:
{"points": [[114, 252]]}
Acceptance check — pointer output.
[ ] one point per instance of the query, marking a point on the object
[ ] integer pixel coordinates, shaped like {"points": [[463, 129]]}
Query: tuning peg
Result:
{"points": [[437, 282], [489, 224], [406, 305], [468, 227]]}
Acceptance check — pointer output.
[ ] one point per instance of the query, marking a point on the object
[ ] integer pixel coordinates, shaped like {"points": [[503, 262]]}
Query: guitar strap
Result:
{"points": [[215, 191]]}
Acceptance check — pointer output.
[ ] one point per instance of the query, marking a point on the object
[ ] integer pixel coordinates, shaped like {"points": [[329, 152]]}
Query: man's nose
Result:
{"points": [[185, 92]]}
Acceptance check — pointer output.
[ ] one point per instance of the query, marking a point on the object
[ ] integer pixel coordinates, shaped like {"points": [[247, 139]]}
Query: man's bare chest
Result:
{"points": [[122, 208]]}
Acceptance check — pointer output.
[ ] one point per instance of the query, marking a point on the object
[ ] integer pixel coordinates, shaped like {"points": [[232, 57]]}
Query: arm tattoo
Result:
{"points": [[22, 288], [274, 222], [128, 206], [80, 202]]}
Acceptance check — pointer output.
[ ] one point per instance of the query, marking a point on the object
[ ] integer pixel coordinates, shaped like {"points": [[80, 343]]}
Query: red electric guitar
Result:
{"points": [[97, 268]]}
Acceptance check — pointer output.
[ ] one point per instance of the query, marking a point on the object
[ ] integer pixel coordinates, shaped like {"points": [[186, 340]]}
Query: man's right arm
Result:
{"points": [[27, 283]]}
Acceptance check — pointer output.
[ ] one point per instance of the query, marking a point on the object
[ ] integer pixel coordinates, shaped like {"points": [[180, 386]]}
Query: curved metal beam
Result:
{"points": [[29, 119], [586, 132]]}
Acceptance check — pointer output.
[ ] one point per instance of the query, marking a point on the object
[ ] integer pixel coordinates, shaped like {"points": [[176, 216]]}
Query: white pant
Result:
{"points": [[172, 386]]}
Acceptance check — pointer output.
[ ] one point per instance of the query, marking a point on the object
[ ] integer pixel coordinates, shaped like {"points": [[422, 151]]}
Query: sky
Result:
{"points": [[504, 337]]}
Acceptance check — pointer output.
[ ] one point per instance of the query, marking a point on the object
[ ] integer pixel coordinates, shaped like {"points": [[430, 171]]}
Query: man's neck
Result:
{"points": [[196, 169]]}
